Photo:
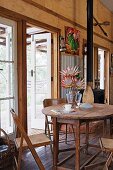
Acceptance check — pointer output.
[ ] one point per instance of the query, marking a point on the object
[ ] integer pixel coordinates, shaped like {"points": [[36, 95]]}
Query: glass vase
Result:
{"points": [[70, 96]]}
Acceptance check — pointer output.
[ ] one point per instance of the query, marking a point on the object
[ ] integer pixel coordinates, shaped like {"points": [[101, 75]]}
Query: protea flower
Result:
{"points": [[80, 84], [67, 82], [71, 78], [73, 71]]}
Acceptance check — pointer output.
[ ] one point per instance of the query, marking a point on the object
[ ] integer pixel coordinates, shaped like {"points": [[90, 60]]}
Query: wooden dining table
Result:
{"points": [[75, 117]]}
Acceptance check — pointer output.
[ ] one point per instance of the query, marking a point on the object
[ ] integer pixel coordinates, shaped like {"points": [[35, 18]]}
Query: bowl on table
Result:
{"points": [[86, 106]]}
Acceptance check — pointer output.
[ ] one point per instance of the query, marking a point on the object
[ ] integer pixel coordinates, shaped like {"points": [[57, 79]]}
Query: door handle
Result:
{"points": [[31, 73]]}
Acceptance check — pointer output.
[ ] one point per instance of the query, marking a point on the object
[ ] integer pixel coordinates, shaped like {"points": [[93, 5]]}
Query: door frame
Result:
{"points": [[107, 75], [107, 60], [21, 58]]}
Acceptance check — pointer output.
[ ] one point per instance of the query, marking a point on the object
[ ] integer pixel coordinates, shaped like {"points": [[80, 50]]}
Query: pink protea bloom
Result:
{"points": [[70, 71], [71, 78], [67, 82], [80, 83]]}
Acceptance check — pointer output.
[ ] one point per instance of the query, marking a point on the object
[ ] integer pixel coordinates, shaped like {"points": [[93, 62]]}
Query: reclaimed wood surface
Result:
{"points": [[76, 117], [98, 112]]}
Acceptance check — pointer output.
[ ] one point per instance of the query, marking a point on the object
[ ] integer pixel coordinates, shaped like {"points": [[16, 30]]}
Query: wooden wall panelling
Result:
{"points": [[18, 17], [56, 65], [79, 4], [50, 12], [56, 8], [22, 72], [7, 9]]}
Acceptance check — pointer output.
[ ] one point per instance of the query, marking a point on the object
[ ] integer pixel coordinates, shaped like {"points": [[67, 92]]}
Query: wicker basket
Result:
{"points": [[7, 151]]}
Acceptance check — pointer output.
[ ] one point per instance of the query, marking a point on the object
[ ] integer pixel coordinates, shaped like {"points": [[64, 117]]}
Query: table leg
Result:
{"points": [[111, 126], [87, 136], [55, 142], [77, 160], [105, 127]]}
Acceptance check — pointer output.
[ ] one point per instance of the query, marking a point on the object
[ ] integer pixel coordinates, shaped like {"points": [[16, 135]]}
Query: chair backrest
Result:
{"points": [[88, 96], [28, 141], [50, 102]]}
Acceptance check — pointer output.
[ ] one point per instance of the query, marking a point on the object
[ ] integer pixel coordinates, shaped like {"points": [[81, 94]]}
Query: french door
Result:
{"points": [[40, 76], [8, 72]]}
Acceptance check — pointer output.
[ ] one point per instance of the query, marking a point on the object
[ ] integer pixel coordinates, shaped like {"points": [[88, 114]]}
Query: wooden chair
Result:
{"points": [[28, 142], [107, 146], [48, 122]]}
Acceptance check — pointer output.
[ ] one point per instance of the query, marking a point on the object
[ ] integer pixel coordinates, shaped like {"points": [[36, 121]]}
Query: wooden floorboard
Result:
{"points": [[28, 162], [46, 156]]}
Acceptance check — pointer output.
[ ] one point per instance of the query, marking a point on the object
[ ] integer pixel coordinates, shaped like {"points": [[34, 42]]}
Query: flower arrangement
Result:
{"points": [[71, 78]]}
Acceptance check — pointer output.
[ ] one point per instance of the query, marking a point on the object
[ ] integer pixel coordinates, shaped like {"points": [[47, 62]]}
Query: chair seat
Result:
{"points": [[37, 140], [107, 144]]}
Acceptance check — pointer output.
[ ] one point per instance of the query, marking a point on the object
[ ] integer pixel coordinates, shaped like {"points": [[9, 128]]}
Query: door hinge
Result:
{"points": [[51, 78]]}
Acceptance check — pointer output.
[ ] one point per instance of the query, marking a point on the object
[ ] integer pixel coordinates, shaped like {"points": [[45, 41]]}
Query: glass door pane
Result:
{"points": [[8, 72], [39, 77]]}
